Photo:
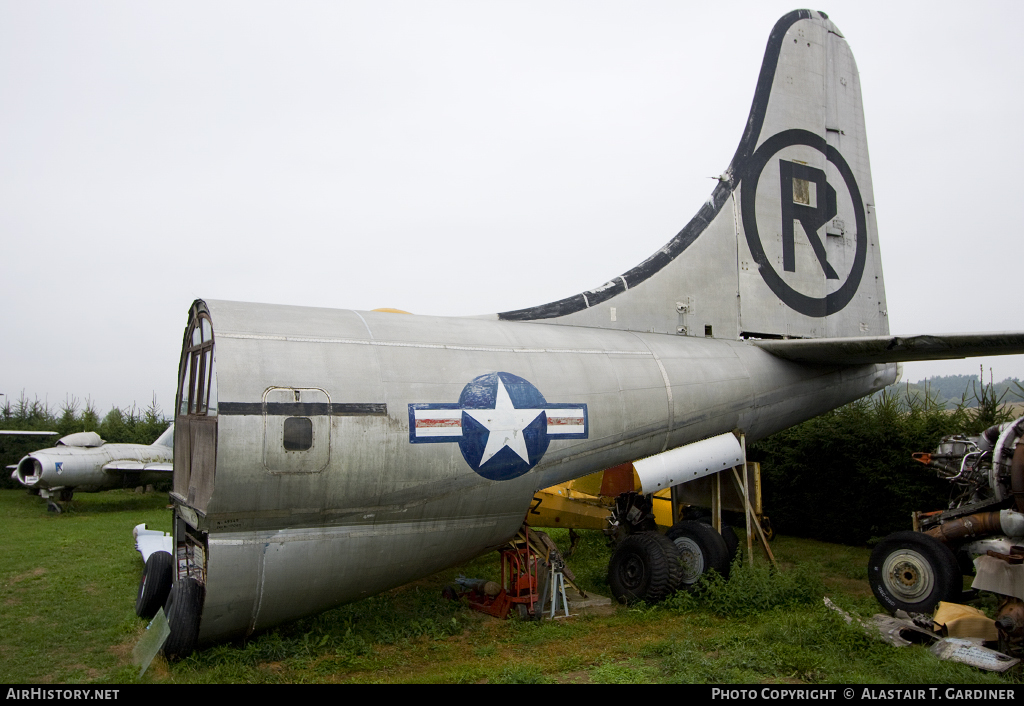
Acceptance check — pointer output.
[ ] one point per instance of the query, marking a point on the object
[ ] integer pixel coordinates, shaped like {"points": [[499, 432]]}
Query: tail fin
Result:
{"points": [[787, 245]]}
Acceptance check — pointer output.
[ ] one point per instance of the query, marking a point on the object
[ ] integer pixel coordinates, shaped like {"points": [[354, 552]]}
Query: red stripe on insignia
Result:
{"points": [[565, 421], [433, 423]]}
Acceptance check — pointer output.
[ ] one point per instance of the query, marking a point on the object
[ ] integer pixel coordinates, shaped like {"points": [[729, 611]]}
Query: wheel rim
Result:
{"points": [[908, 575], [633, 573], [692, 559]]}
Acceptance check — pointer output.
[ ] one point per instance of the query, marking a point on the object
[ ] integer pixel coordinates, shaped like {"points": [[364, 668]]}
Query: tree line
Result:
{"points": [[953, 389]]}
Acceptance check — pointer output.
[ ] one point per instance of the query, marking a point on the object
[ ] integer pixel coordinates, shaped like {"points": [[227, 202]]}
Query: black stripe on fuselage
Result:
{"points": [[306, 409], [652, 265]]}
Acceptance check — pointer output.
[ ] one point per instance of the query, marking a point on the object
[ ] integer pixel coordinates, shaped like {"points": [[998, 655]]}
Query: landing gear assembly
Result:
{"points": [[650, 566]]}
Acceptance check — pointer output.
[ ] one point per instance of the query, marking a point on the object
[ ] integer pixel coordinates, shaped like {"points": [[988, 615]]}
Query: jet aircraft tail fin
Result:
{"points": [[787, 244]]}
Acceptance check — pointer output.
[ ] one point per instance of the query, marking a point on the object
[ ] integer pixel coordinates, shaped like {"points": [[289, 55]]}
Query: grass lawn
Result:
{"points": [[68, 584]]}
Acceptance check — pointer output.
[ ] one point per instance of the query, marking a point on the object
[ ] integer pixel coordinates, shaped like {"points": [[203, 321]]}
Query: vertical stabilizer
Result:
{"points": [[787, 245]]}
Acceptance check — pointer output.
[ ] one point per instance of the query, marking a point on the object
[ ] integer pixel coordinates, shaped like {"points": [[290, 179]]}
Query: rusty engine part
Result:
{"points": [[1017, 477], [1010, 625], [986, 471], [981, 524]]}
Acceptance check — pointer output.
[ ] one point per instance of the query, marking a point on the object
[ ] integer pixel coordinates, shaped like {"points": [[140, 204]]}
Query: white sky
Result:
{"points": [[449, 158]]}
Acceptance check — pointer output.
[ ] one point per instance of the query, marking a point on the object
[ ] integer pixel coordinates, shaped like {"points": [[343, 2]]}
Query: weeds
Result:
{"points": [[750, 590]]}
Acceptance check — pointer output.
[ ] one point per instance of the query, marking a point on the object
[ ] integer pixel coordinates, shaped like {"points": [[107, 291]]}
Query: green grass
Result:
{"points": [[68, 583]]}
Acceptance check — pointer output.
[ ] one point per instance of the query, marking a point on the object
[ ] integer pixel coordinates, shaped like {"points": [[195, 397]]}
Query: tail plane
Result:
{"points": [[787, 245]]}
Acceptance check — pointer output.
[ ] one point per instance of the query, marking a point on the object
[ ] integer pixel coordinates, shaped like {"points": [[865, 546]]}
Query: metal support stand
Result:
{"points": [[716, 502], [557, 583]]}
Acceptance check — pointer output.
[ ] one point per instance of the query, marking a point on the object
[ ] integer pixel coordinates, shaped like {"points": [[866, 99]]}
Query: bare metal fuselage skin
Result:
{"points": [[372, 510], [325, 455]]}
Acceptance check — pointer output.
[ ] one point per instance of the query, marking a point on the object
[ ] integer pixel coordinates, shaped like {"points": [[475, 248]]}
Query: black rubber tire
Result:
{"points": [[155, 584], [913, 571], [732, 541], [644, 567], [184, 608], [701, 549]]}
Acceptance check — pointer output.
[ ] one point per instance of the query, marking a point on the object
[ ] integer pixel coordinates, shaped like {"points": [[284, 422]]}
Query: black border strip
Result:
{"points": [[305, 409], [707, 213]]}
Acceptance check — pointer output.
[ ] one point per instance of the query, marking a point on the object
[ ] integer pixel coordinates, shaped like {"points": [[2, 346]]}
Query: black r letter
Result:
{"points": [[811, 217]]}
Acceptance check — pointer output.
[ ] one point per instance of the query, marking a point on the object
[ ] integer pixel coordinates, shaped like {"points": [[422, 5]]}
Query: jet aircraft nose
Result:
{"points": [[30, 471]]}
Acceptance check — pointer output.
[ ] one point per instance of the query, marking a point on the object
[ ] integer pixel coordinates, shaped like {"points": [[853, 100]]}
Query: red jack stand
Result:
{"points": [[521, 571]]}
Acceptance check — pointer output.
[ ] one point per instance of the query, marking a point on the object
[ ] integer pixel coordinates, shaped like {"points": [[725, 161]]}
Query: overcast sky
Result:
{"points": [[450, 158]]}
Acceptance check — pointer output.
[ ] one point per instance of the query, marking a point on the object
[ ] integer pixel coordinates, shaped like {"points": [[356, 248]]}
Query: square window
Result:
{"points": [[298, 434]]}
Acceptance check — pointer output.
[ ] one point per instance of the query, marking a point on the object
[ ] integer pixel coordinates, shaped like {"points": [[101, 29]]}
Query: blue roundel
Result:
{"points": [[502, 424], [504, 427]]}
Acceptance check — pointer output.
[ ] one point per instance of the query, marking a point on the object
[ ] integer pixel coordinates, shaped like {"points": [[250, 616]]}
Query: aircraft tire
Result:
{"points": [[701, 549], [183, 609], [644, 567], [155, 584], [913, 571], [732, 541]]}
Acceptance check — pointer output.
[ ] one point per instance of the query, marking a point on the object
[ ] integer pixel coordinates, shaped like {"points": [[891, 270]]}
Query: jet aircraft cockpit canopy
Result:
{"points": [[84, 439]]}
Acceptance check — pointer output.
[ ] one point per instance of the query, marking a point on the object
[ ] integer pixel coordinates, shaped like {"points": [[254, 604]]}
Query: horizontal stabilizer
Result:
{"points": [[866, 350]]}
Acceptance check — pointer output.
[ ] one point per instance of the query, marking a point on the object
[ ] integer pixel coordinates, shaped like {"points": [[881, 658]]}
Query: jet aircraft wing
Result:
{"points": [[867, 350], [115, 466]]}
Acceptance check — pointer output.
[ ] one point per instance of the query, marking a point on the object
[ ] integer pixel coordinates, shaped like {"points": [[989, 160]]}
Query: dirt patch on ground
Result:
{"points": [[90, 673], [157, 670], [34, 573]]}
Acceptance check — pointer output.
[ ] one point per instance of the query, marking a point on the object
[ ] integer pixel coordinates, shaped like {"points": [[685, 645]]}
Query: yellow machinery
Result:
{"points": [[587, 503]]}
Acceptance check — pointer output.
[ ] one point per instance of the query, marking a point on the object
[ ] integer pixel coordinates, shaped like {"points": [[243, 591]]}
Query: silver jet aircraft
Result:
{"points": [[86, 463], [326, 455]]}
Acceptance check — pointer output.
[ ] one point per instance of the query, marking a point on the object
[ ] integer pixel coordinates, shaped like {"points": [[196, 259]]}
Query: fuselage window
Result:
{"points": [[298, 434]]}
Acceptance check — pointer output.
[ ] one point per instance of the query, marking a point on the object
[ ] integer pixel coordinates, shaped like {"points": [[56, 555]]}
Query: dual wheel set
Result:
{"points": [[649, 566], [182, 602]]}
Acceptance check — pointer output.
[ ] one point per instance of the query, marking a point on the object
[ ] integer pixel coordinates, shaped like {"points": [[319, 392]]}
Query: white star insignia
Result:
{"points": [[505, 425]]}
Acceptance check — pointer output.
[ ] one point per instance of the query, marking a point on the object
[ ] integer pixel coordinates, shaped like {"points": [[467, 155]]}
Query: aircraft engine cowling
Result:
{"points": [[29, 471]]}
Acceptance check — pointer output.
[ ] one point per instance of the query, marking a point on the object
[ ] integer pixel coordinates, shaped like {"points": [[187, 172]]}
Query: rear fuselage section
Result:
{"points": [[356, 451]]}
